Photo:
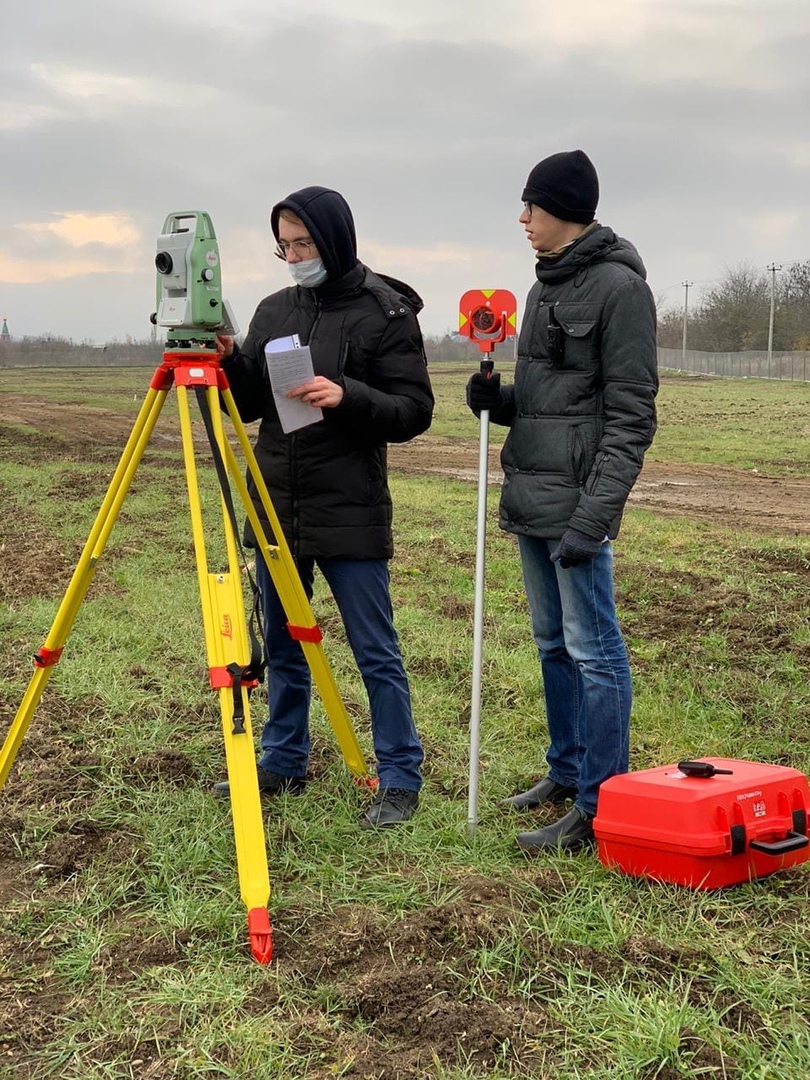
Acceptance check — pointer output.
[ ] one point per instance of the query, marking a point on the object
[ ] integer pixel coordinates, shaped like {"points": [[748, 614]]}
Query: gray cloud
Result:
{"points": [[694, 114]]}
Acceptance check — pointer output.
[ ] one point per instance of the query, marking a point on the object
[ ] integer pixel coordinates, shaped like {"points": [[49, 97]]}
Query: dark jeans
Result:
{"points": [[586, 674], [361, 590]]}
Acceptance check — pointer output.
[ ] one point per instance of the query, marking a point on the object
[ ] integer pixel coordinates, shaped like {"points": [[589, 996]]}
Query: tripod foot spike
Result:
{"points": [[369, 783], [261, 935]]}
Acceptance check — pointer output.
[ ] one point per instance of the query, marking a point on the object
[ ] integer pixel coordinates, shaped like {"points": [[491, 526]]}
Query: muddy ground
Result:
{"points": [[415, 1006], [704, 492], [725, 496]]}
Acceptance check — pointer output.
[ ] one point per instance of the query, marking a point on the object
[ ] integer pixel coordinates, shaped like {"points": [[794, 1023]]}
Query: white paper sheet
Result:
{"points": [[289, 364]]}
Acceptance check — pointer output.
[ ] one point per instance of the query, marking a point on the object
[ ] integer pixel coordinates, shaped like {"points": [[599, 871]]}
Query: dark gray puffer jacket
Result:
{"points": [[580, 418]]}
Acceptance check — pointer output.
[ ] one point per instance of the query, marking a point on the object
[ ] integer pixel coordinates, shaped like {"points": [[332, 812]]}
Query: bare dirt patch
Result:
{"points": [[407, 987], [712, 493], [725, 496]]}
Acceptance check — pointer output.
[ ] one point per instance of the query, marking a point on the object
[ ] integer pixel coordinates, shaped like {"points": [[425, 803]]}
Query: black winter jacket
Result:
{"points": [[580, 416], [328, 482]]}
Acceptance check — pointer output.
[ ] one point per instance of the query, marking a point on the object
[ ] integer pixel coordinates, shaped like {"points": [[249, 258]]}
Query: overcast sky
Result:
{"points": [[426, 114]]}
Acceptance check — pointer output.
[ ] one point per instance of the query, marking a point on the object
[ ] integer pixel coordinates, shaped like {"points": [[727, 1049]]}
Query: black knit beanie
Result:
{"points": [[565, 185]]}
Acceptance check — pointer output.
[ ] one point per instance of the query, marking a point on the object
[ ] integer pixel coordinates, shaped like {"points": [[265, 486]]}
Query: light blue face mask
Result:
{"points": [[309, 273]]}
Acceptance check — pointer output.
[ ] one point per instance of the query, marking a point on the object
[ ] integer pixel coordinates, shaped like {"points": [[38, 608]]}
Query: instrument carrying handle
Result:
{"points": [[794, 841]]}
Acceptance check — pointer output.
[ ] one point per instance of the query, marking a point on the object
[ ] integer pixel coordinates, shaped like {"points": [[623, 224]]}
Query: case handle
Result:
{"points": [[794, 841], [703, 769]]}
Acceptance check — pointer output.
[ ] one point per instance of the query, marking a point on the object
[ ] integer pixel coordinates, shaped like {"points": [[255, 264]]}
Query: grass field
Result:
{"points": [[425, 952]]}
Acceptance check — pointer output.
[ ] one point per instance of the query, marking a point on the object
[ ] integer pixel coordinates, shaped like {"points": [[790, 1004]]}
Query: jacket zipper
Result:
{"points": [[601, 461]]}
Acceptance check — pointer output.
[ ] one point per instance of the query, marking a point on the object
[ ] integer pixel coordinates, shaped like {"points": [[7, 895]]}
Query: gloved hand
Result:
{"points": [[482, 392], [575, 548]]}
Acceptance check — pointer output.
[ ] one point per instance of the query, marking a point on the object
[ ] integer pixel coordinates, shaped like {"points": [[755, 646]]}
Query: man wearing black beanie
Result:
{"points": [[581, 415]]}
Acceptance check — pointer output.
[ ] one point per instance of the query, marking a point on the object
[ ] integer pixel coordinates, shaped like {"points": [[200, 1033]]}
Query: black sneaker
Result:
{"points": [[546, 791], [573, 831], [391, 806], [270, 783]]}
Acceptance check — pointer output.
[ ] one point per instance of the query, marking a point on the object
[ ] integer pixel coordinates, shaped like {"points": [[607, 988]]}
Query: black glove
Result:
{"points": [[575, 548], [483, 392]]}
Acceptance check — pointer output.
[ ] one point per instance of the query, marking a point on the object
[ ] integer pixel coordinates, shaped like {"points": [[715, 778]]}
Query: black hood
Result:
{"points": [[327, 216]]}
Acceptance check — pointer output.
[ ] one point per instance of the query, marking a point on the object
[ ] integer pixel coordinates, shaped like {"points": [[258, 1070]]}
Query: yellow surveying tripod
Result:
{"points": [[231, 672]]}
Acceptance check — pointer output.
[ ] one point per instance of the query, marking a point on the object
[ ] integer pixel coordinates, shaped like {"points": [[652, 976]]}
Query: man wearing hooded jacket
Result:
{"points": [[581, 414], [329, 483]]}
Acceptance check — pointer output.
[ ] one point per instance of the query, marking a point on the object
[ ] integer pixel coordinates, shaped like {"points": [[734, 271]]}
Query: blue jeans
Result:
{"points": [[586, 674], [361, 590]]}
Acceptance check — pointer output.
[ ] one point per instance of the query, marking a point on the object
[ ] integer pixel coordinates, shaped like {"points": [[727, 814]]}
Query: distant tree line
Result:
{"points": [[452, 347], [52, 351], [734, 315]]}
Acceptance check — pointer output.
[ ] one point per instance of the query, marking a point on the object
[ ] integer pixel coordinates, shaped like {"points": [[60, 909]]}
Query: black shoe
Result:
{"points": [[391, 806], [573, 831], [546, 791], [270, 783]]}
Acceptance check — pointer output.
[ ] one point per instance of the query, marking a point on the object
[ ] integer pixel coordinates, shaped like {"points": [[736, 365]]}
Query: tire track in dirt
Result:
{"points": [[718, 494]]}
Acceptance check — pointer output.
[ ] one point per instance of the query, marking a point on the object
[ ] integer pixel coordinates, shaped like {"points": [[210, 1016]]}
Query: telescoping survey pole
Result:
{"points": [[487, 317]]}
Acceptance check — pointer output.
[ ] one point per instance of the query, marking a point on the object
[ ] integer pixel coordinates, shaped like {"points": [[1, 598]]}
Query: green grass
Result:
{"points": [[426, 952], [751, 424]]}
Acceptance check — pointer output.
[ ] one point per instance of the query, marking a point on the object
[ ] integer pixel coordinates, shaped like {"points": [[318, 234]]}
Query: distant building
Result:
{"points": [[5, 336]]}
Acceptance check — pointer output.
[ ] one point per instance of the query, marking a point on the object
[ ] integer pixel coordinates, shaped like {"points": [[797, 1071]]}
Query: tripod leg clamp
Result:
{"points": [[220, 677], [305, 633], [236, 676], [48, 657]]}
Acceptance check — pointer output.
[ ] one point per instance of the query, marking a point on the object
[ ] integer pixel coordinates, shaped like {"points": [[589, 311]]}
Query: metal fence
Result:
{"points": [[791, 366]]}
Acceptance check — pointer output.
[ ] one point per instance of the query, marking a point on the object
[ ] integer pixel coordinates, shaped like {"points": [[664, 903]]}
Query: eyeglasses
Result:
{"points": [[301, 248]]}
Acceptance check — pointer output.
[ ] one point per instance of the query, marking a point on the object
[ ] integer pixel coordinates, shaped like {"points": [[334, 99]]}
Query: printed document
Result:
{"points": [[289, 364]]}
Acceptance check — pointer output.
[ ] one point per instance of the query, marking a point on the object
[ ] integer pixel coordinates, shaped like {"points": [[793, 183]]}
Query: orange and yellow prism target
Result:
{"points": [[487, 316]]}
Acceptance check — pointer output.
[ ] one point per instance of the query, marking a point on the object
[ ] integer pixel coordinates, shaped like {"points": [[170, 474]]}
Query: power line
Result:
{"points": [[711, 281]]}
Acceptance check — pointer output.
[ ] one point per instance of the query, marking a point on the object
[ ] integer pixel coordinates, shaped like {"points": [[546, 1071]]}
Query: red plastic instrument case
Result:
{"points": [[704, 831]]}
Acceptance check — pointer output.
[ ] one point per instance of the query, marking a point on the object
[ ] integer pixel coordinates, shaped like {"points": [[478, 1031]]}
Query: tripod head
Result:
{"points": [[189, 283]]}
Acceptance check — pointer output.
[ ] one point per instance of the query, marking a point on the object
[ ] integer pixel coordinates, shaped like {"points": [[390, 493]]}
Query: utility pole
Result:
{"points": [[773, 268], [686, 285]]}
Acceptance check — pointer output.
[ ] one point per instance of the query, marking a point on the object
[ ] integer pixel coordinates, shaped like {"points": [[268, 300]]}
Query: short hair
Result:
{"points": [[290, 215]]}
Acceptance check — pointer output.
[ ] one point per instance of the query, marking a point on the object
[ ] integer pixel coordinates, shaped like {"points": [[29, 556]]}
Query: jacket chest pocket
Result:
{"points": [[563, 334], [574, 330]]}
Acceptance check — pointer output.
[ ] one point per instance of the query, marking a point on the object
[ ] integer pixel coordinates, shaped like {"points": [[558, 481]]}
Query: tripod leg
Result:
{"points": [[287, 581], [51, 651], [227, 648]]}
